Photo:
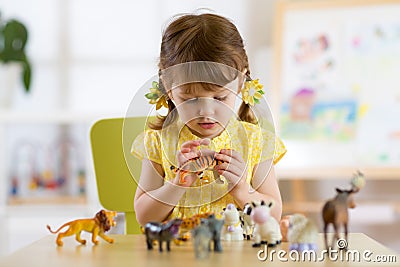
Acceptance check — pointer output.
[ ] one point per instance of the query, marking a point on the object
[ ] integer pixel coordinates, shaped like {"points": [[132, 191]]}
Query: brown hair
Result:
{"points": [[204, 37]]}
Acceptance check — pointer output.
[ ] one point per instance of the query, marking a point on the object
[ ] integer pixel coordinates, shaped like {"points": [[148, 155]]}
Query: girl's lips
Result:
{"points": [[207, 125]]}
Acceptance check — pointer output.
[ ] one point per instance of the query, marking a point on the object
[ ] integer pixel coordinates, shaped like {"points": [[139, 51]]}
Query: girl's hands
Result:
{"points": [[233, 168], [188, 151]]}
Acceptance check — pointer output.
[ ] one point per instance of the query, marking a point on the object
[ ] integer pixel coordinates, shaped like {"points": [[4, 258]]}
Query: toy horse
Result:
{"points": [[161, 232], [335, 211]]}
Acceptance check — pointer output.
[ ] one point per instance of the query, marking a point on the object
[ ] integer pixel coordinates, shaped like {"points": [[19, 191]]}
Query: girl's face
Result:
{"points": [[205, 112]]}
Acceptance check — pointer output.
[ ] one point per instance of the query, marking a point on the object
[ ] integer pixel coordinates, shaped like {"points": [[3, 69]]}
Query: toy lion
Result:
{"points": [[98, 225]]}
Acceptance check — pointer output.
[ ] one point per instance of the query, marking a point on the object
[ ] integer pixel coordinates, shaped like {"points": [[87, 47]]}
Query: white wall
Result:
{"points": [[91, 56]]}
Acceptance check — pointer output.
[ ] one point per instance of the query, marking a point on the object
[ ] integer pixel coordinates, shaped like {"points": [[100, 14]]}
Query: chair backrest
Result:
{"points": [[116, 185]]}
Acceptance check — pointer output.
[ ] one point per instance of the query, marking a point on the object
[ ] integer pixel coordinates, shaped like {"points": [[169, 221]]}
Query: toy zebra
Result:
{"points": [[198, 165]]}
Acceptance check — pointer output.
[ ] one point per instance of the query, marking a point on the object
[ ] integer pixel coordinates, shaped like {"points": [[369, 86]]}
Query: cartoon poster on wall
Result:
{"points": [[372, 69], [316, 104], [340, 80]]}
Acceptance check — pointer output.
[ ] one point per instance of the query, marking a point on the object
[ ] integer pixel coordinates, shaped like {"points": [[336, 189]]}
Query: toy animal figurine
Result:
{"points": [[358, 180], [267, 229], [335, 211], [161, 232], [201, 240], [215, 226], [302, 233], [189, 224], [198, 165], [98, 225], [232, 229], [247, 222]]}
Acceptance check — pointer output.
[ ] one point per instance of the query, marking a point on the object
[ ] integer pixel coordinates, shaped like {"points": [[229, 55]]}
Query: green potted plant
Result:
{"points": [[13, 38]]}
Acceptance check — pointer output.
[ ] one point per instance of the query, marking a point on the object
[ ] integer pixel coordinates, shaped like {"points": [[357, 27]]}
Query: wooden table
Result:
{"points": [[130, 250]]}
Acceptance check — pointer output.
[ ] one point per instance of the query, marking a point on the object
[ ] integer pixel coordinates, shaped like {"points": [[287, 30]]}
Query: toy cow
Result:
{"points": [[161, 232], [247, 222], [232, 229], [302, 233], [335, 211], [267, 229]]}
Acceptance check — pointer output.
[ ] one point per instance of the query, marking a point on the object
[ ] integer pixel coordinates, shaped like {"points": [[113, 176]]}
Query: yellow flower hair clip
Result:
{"points": [[252, 92], [156, 96]]}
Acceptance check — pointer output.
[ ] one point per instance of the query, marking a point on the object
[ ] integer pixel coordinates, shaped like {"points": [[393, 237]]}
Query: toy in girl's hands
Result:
{"points": [[335, 211], [197, 166], [302, 233], [232, 229], [247, 222], [98, 225], [267, 229], [161, 232]]}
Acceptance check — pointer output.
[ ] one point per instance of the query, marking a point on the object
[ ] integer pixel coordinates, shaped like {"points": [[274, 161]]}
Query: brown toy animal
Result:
{"points": [[335, 212], [98, 225], [161, 232]]}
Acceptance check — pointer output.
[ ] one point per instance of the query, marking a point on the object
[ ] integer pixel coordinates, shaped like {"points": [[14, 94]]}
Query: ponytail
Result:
{"points": [[245, 113]]}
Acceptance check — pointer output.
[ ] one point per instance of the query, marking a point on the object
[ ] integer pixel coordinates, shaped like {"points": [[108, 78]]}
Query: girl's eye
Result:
{"points": [[222, 98]]}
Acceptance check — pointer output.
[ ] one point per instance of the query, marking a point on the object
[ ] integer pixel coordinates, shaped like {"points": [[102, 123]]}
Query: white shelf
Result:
{"points": [[328, 172], [9, 119]]}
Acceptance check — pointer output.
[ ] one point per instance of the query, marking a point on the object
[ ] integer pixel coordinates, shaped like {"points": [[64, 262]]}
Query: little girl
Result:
{"points": [[199, 88]]}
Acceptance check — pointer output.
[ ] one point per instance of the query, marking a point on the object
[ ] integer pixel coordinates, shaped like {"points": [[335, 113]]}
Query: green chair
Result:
{"points": [[115, 184]]}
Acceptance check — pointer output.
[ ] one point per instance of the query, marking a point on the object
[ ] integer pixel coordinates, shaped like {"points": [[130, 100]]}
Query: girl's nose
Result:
{"points": [[206, 107]]}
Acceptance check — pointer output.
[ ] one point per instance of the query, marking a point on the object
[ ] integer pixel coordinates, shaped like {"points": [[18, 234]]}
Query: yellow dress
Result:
{"points": [[253, 143]]}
